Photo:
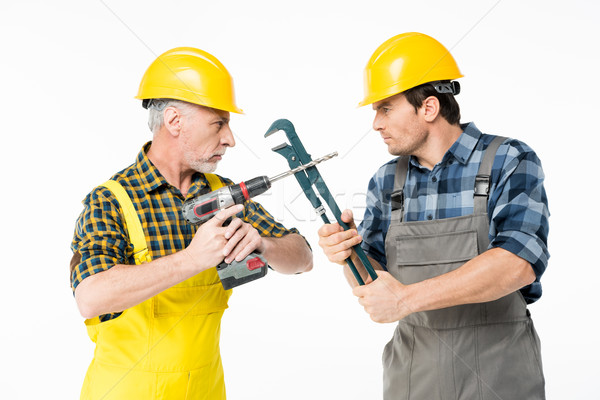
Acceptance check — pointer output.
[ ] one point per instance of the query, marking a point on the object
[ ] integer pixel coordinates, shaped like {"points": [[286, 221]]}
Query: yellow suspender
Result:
{"points": [[213, 181], [134, 226]]}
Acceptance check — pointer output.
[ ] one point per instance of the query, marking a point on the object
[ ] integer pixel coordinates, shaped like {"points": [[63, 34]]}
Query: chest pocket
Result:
{"points": [[424, 250], [436, 249]]}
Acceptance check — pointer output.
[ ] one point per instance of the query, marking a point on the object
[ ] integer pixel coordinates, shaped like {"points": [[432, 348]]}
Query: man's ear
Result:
{"points": [[172, 120], [430, 108]]}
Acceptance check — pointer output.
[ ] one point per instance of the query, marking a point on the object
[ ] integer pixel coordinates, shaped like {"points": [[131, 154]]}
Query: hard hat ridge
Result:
{"points": [[406, 61], [189, 74]]}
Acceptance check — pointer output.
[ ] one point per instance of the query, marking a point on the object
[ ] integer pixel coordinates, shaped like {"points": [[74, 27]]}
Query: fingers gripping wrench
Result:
{"points": [[296, 155]]}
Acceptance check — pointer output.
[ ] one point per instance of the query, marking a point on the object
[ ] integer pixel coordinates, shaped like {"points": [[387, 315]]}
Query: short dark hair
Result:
{"points": [[449, 108]]}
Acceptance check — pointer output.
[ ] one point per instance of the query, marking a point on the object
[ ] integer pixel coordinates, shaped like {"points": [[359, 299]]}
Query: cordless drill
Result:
{"points": [[200, 209]]}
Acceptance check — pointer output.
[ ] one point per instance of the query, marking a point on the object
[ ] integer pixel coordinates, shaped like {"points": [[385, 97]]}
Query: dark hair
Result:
{"points": [[449, 108]]}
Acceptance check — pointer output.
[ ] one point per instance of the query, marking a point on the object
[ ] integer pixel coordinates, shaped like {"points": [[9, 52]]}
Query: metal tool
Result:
{"points": [[201, 208], [307, 176]]}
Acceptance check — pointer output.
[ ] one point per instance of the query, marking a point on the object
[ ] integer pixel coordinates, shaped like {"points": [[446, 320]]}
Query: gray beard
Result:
{"points": [[204, 167]]}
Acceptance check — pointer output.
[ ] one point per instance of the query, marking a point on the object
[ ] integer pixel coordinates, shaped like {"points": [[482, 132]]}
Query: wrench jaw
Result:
{"points": [[288, 153], [282, 125], [296, 155], [285, 149], [296, 151]]}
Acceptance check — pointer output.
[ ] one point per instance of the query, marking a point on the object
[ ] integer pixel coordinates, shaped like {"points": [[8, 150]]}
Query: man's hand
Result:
{"points": [[242, 239], [336, 243], [385, 299], [213, 241]]}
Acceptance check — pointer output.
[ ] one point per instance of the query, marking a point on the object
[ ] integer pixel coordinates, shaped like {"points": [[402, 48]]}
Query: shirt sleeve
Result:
{"points": [[372, 227], [99, 237], [257, 216], [519, 212]]}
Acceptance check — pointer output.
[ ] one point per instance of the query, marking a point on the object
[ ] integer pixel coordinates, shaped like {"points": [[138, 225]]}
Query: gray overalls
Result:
{"points": [[473, 351]]}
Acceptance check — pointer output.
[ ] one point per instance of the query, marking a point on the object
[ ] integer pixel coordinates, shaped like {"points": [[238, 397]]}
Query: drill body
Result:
{"points": [[200, 209]]}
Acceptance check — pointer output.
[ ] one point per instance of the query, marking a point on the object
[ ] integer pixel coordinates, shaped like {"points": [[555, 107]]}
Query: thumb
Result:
{"points": [[348, 218]]}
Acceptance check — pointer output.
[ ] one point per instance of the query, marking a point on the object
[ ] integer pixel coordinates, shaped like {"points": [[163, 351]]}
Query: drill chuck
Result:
{"points": [[246, 190]]}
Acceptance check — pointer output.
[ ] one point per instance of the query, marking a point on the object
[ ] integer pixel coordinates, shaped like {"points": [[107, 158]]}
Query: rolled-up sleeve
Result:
{"points": [[99, 237], [519, 210], [257, 216]]}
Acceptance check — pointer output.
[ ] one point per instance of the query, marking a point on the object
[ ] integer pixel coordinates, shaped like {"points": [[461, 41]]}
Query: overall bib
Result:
{"points": [[485, 351], [166, 347]]}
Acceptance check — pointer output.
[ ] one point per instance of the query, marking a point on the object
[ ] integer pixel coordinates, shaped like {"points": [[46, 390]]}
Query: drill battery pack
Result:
{"points": [[237, 273]]}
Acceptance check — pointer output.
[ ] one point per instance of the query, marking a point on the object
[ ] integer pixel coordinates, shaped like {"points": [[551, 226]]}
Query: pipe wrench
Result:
{"points": [[296, 156]]}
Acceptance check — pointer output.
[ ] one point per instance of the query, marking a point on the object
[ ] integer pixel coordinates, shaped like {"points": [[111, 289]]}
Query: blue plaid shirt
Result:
{"points": [[517, 206]]}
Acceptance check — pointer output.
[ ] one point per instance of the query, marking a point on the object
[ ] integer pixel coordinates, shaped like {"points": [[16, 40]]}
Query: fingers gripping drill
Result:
{"points": [[200, 209]]}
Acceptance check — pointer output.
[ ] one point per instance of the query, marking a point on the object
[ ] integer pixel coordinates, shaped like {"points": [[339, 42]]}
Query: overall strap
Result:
{"points": [[483, 179], [134, 226], [213, 181], [397, 197]]}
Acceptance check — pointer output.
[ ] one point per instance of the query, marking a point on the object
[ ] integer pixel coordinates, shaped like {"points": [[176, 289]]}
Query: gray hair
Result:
{"points": [[156, 108]]}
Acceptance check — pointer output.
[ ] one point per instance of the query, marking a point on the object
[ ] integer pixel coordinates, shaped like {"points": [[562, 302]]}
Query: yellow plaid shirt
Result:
{"points": [[101, 240]]}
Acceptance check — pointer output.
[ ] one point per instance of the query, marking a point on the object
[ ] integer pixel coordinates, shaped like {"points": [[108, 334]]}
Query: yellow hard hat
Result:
{"points": [[192, 75], [405, 61]]}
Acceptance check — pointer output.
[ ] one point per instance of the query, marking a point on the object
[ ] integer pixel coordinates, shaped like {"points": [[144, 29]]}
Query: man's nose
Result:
{"points": [[377, 123], [227, 138]]}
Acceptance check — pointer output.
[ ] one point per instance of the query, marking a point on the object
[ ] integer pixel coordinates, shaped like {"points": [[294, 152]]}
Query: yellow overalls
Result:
{"points": [[166, 347]]}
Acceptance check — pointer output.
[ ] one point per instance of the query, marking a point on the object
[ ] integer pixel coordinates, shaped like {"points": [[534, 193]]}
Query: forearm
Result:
{"points": [[288, 254], [124, 286], [489, 276]]}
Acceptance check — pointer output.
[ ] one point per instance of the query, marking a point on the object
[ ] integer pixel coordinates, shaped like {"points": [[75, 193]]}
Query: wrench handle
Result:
{"points": [[326, 194], [349, 259]]}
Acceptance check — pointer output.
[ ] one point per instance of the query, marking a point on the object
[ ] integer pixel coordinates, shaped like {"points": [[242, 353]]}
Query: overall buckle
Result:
{"points": [[397, 199], [482, 185]]}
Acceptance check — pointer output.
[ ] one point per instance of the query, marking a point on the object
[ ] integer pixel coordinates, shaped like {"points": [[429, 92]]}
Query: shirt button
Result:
{"points": [[434, 179], [430, 217]]}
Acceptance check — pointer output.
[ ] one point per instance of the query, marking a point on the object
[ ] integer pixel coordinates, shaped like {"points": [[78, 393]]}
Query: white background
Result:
{"points": [[70, 69]]}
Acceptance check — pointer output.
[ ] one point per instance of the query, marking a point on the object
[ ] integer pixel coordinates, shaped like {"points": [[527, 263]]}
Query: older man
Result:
{"points": [[142, 276]]}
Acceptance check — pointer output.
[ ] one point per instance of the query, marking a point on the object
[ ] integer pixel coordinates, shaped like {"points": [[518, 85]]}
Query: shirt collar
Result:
{"points": [[466, 142], [151, 178], [462, 149]]}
